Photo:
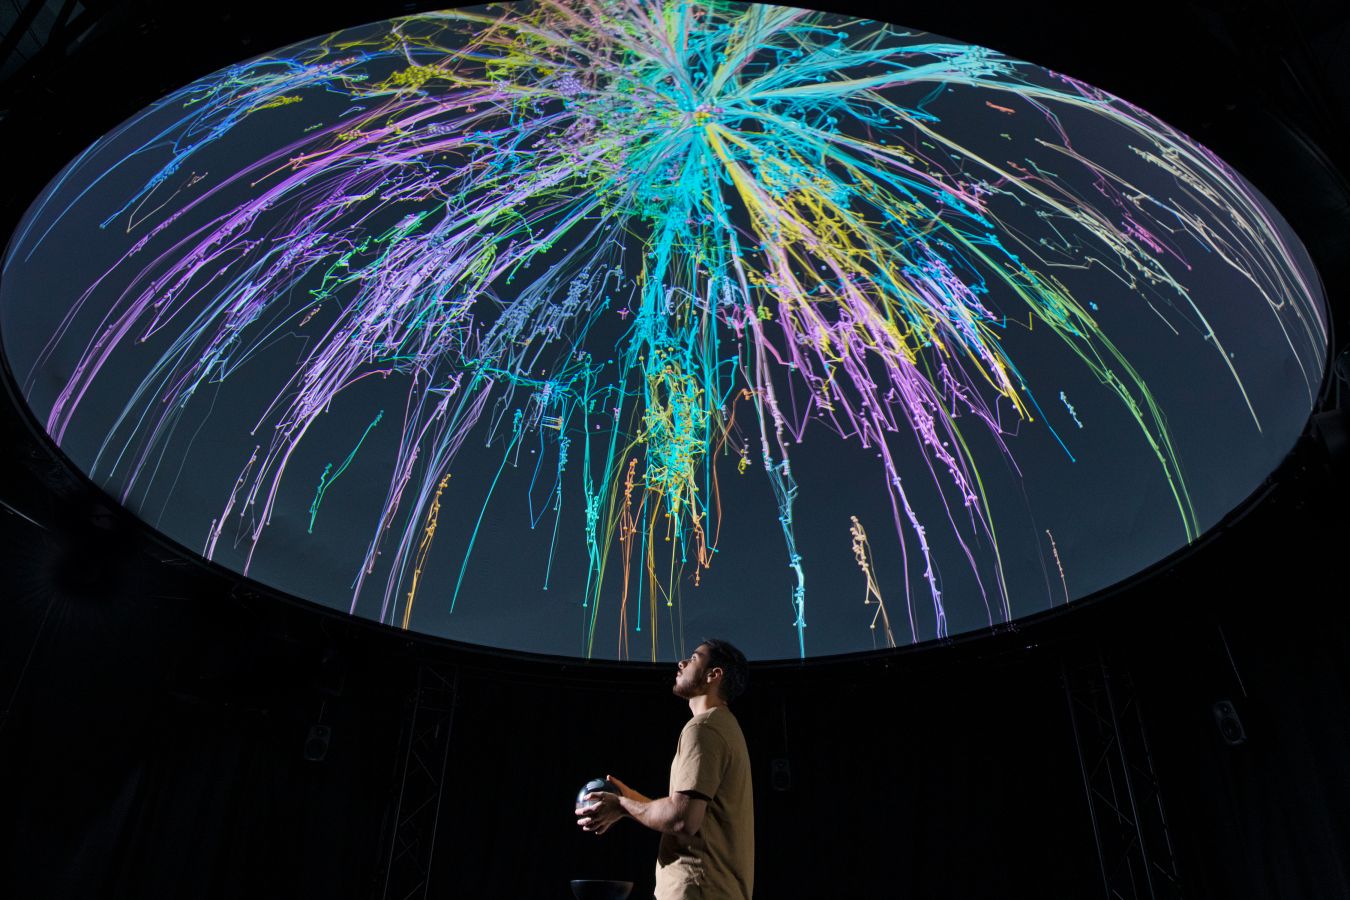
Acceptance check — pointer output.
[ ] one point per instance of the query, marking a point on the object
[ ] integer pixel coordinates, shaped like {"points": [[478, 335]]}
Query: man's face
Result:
{"points": [[691, 677]]}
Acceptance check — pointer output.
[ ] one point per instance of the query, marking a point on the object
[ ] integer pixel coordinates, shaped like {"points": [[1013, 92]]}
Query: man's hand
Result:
{"points": [[601, 810]]}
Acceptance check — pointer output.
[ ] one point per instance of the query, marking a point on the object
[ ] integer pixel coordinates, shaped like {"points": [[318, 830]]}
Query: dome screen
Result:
{"points": [[596, 328]]}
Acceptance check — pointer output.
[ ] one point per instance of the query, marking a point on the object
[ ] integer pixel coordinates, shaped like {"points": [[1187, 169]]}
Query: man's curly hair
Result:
{"points": [[735, 670]]}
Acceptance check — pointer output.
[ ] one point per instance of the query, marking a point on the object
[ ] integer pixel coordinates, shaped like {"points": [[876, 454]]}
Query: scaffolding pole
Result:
{"points": [[417, 808], [1129, 826]]}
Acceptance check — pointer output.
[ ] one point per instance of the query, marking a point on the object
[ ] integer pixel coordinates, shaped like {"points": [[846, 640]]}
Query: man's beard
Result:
{"points": [[684, 691]]}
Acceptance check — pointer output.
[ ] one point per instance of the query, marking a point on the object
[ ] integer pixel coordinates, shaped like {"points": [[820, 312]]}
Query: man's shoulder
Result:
{"points": [[718, 721]]}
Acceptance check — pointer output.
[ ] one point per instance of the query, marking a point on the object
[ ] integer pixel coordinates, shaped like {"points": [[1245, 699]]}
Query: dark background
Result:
{"points": [[155, 711]]}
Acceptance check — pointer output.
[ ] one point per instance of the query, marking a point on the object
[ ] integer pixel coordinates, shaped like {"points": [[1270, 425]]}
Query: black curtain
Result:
{"points": [[156, 743]]}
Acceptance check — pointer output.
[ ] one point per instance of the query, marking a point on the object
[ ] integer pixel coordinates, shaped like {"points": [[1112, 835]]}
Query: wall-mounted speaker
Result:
{"points": [[1230, 726], [316, 744], [780, 775]]}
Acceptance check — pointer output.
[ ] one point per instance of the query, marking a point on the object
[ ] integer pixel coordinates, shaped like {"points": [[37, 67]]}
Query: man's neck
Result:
{"points": [[704, 702]]}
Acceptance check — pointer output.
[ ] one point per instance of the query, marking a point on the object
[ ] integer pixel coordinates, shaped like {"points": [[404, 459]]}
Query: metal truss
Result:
{"points": [[1134, 848], [417, 809]]}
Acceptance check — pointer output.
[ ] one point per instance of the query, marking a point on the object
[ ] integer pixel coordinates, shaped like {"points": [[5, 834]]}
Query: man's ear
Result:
{"points": [[718, 669]]}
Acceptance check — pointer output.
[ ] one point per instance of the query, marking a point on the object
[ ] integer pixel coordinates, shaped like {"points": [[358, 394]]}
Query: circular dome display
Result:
{"points": [[595, 328]]}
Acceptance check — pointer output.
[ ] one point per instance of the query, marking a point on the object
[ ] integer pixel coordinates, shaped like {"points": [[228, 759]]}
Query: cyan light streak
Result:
{"points": [[329, 476]]}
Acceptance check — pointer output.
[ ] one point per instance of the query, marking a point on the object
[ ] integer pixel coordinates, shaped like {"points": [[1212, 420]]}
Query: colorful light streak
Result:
{"points": [[634, 240]]}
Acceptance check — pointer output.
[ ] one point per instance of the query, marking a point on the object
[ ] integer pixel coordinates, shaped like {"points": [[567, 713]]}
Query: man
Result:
{"points": [[707, 820]]}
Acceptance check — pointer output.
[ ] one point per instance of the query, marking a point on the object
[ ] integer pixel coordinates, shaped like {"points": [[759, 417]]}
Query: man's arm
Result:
{"points": [[677, 814], [680, 813]]}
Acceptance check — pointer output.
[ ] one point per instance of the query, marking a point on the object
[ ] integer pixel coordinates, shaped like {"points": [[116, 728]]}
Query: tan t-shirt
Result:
{"points": [[718, 862]]}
